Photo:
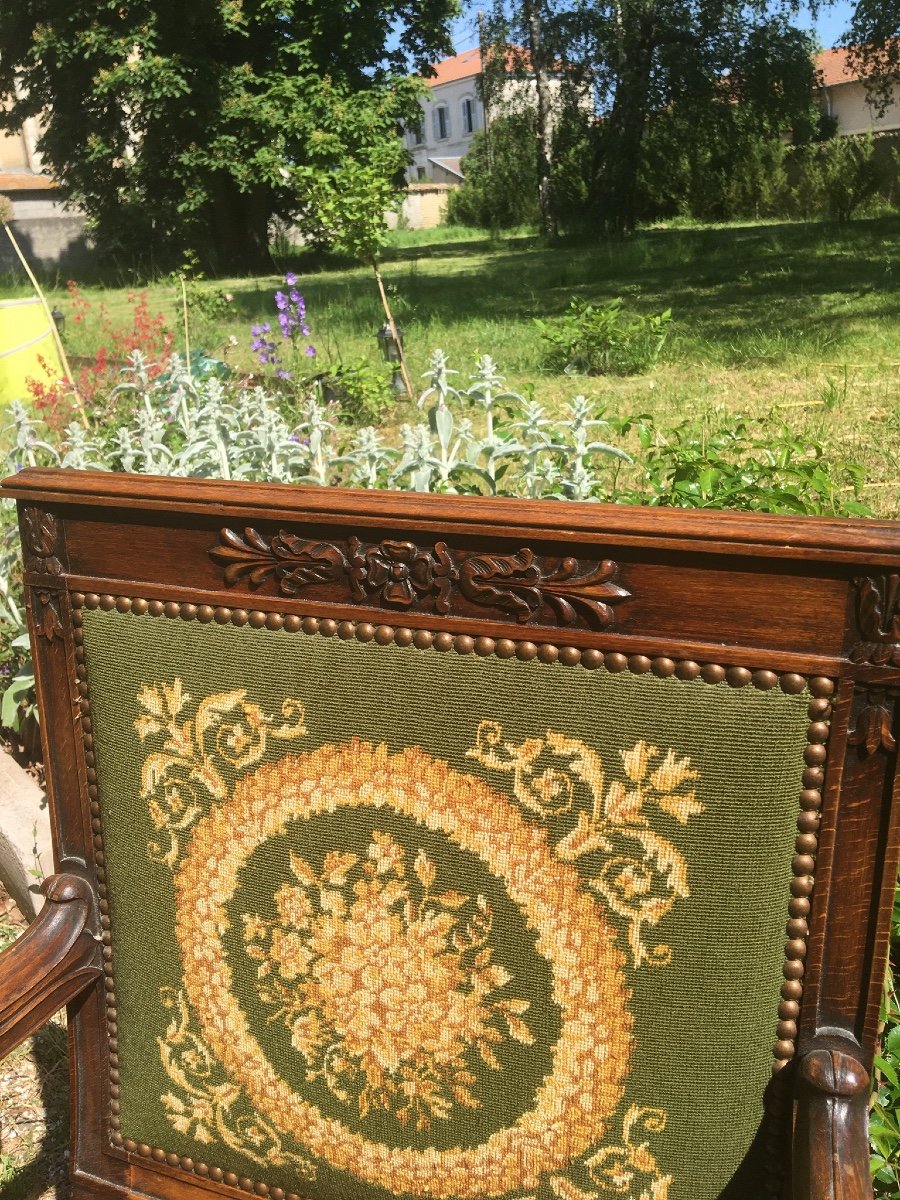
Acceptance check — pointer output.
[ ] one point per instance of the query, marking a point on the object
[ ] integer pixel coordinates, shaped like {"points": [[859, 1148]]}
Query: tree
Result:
{"points": [[526, 65], [492, 195], [350, 181], [722, 153], [182, 125], [641, 58], [697, 57]]}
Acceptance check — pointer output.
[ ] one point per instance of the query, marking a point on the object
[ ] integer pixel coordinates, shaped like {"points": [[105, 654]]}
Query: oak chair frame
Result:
{"points": [[749, 600]]}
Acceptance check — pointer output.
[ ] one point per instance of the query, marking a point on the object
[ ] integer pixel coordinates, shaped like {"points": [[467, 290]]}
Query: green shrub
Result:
{"points": [[500, 188], [753, 464], [604, 339], [884, 1117], [838, 177]]}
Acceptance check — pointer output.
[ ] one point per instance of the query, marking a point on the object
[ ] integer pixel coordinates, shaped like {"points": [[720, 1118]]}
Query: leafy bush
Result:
{"points": [[720, 174], [604, 339], [884, 1117], [500, 188], [839, 176]]}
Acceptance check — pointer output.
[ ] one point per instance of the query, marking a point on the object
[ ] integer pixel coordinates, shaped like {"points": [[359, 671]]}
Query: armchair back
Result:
{"points": [[451, 848]]}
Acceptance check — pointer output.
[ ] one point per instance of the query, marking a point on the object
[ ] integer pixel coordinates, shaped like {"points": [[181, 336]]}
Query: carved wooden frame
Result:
{"points": [[743, 600]]}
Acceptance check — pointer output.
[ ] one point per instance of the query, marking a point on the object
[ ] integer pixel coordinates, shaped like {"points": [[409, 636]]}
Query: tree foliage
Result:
{"points": [[873, 43], [192, 124], [492, 196], [643, 61]]}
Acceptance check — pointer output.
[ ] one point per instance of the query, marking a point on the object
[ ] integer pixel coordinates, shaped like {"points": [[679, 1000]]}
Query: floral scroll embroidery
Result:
{"points": [[226, 733], [640, 873], [620, 1169], [206, 1105], [395, 1039]]}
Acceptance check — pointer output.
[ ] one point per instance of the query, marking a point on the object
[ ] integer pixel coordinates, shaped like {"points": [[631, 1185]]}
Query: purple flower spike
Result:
{"points": [[281, 301], [283, 374], [295, 296], [304, 329], [290, 279], [310, 352], [256, 330]]}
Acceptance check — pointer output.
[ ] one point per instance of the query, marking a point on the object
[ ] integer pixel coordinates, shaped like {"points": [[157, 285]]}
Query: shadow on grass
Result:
{"points": [[738, 293]]}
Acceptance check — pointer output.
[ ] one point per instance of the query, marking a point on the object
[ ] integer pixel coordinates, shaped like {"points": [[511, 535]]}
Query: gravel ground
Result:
{"points": [[34, 1102]]}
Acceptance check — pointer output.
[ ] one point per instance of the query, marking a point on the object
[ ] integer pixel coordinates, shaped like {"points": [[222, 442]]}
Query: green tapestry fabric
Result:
{"points": [[392, 922]]}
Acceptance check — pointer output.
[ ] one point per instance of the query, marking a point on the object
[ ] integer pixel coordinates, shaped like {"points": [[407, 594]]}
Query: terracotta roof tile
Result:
{"points": [[835, 67], [467, 64], [460, 66]]}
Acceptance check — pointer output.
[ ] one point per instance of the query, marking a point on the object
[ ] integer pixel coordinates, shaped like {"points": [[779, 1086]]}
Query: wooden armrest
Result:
{"points": [[56, 959], [831, 1146]]}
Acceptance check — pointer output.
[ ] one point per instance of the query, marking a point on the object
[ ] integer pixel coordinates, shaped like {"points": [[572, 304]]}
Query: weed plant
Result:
{"points": [[603, 339], [884, 1116]]}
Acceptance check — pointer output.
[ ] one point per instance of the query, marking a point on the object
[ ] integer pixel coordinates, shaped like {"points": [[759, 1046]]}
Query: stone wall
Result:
{"points": [[423, 206], [47, 241]]}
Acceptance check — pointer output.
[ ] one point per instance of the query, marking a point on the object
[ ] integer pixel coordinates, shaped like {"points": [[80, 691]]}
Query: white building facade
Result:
{"points": [[844, 98], [452, 112]]}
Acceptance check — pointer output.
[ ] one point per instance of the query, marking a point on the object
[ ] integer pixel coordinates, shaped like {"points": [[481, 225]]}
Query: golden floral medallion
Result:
{"points": [[385, 977]]}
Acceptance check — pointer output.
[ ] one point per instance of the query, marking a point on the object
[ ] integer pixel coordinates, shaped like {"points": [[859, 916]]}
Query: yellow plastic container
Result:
{"points": [[27, 349]]}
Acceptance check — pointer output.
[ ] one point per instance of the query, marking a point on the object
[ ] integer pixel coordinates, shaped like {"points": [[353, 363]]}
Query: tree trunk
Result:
{"points": [[539, 68], [625, 134], [239, 230]]}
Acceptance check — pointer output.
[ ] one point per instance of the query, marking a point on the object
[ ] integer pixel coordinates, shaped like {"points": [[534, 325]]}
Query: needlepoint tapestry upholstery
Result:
{"points": [[391, 922]]}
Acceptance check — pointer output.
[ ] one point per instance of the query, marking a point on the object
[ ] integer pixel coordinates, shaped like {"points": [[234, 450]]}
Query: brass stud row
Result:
{"points": [[87, 737], [803, 865], [464, 643], [204, 1170]]}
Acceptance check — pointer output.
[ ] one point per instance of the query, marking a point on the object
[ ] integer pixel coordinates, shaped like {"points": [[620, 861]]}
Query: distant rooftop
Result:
{"points": [[460, 66], [835, 67], [468, 65]]}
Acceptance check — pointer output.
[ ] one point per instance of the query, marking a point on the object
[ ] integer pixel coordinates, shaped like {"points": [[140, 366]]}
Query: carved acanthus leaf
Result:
{"points": [[46, 614], [878, 616], [873, 727], [40, 538], [401, 574]]}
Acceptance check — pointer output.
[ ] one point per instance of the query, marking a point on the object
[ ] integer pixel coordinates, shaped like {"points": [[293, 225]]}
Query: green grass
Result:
{"points": [[805, 317]]}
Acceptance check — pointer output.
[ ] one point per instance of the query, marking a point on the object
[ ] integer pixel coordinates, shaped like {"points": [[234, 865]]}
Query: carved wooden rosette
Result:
{"points": [[401, 574]]}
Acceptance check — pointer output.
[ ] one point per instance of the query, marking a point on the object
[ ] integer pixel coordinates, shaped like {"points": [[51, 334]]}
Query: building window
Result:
{"points": [[468, 115], [441, 122], [416, 133], [421, 173]]}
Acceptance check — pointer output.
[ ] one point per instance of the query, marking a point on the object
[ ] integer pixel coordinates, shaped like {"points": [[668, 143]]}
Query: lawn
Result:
{"points": [[800, 317]]}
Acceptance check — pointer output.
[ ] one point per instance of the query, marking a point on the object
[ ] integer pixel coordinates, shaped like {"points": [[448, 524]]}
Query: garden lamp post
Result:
{"points": [[390, 349], [59, 320]]}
